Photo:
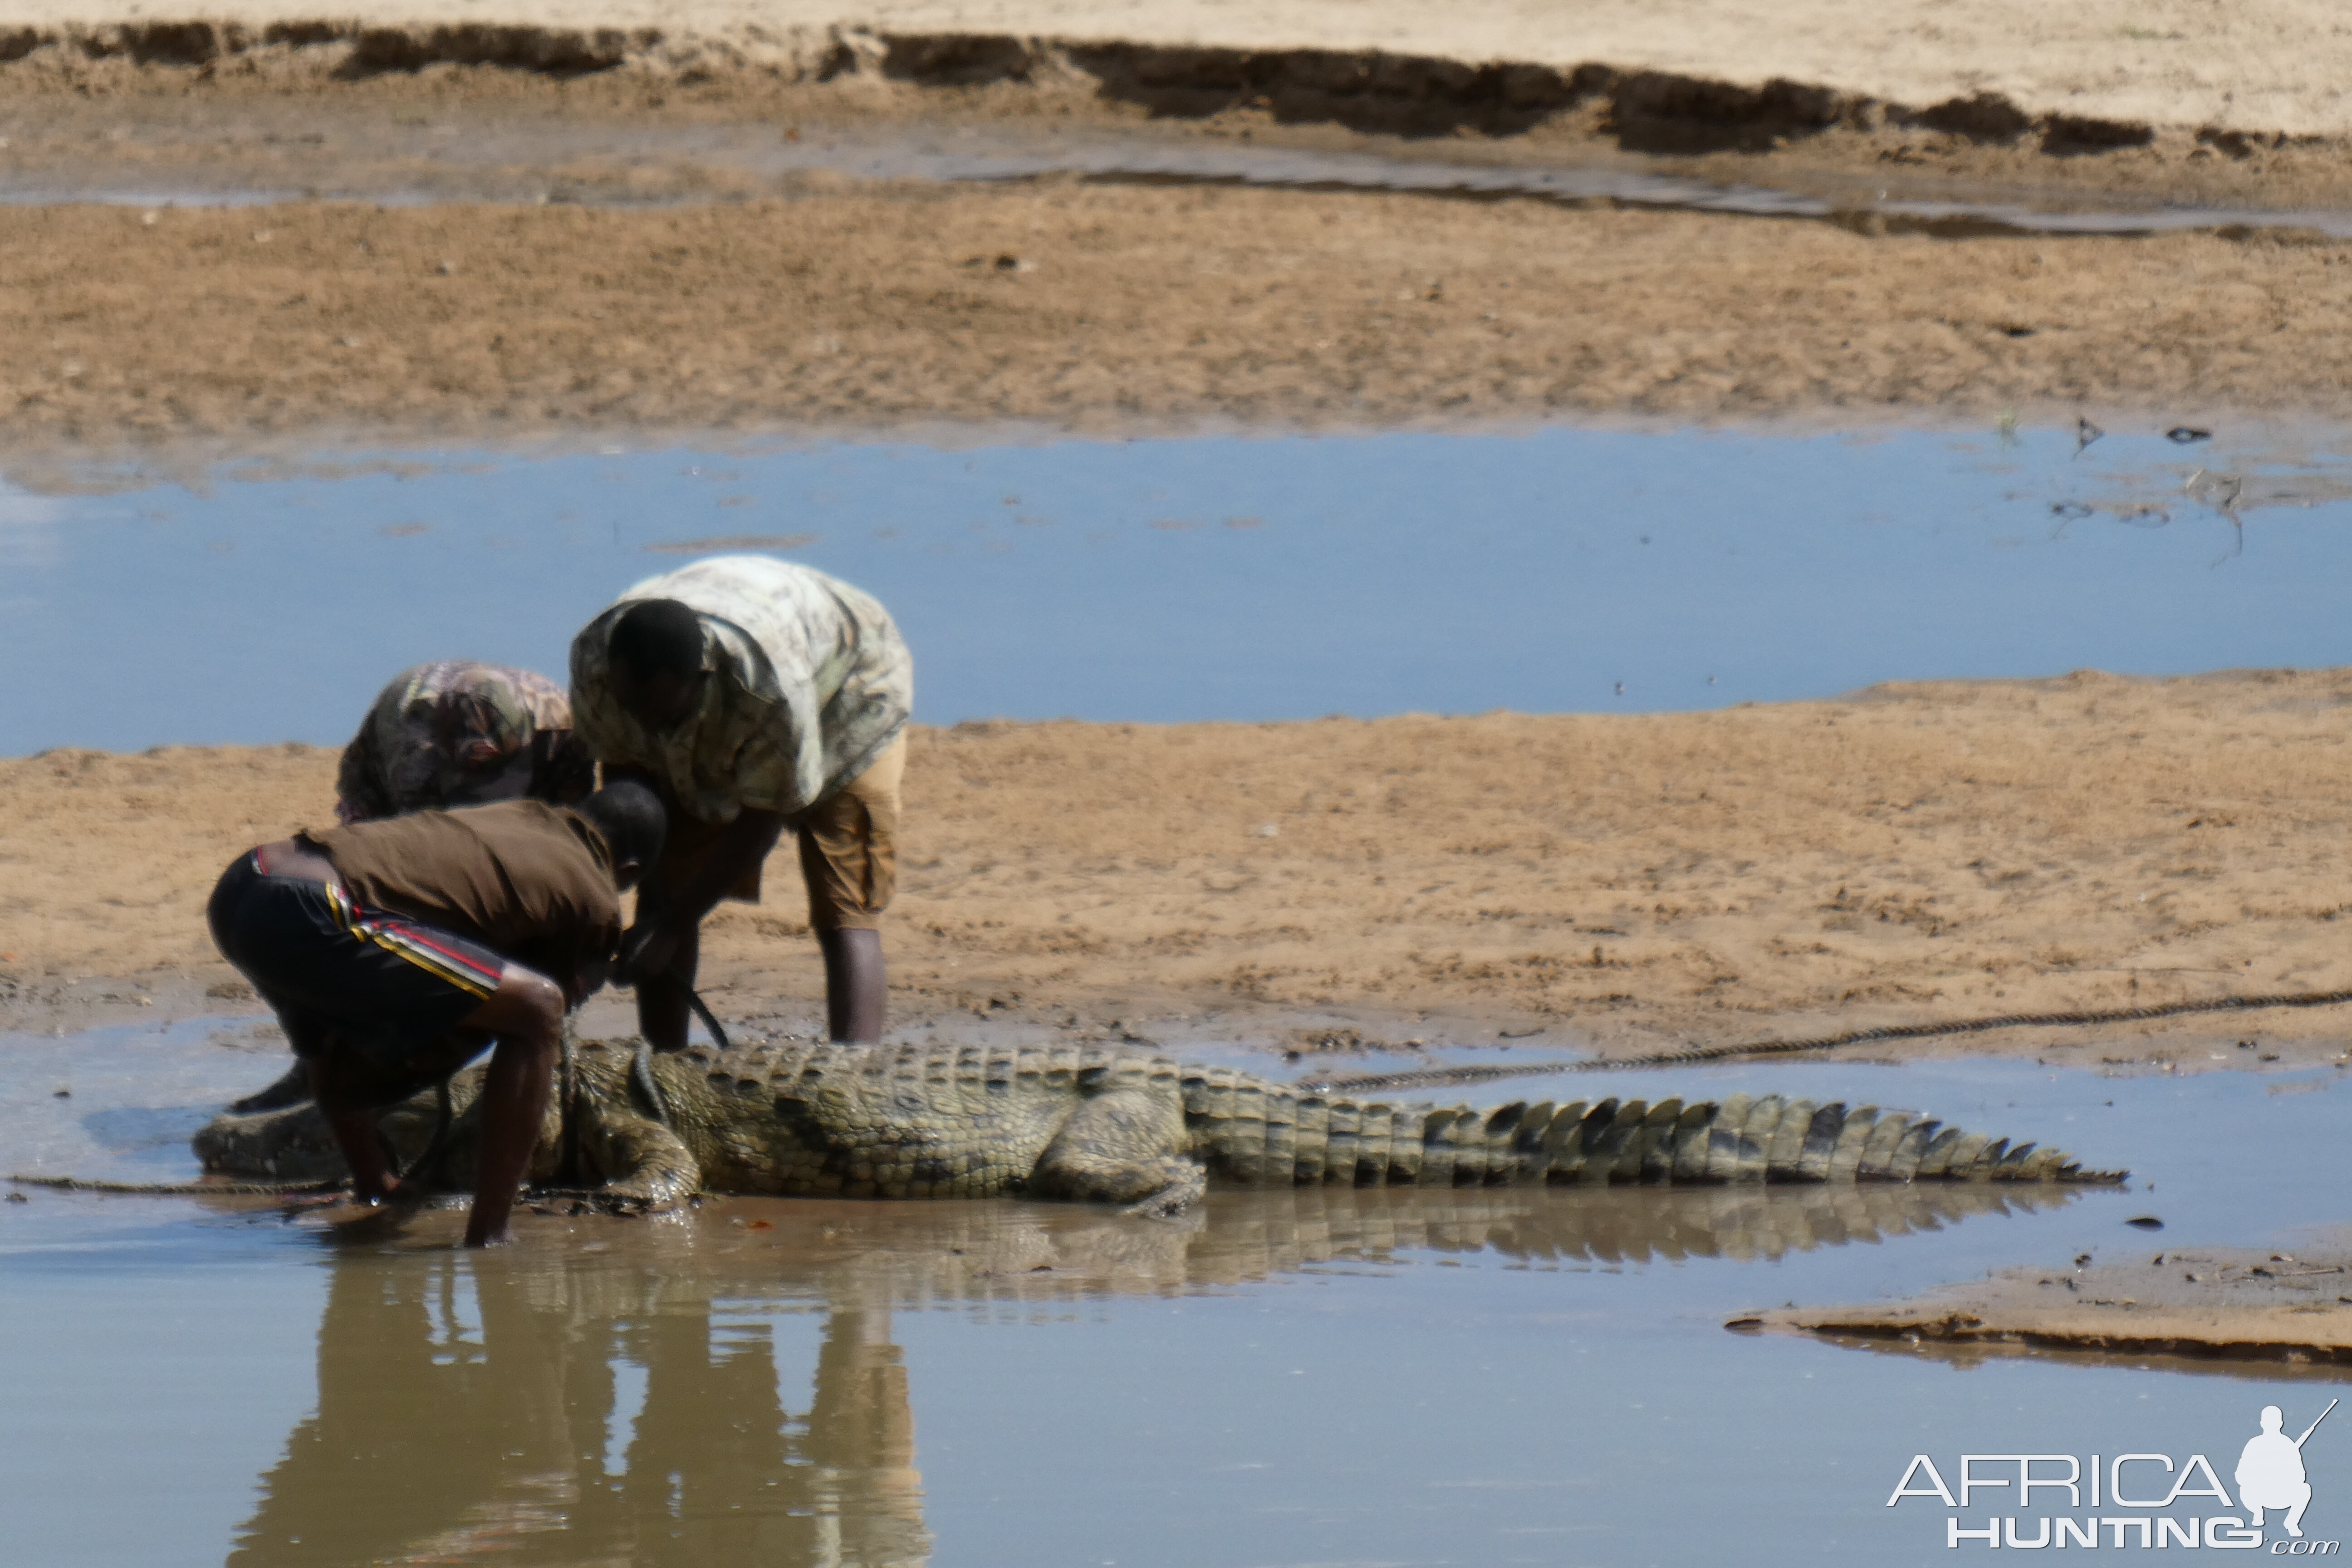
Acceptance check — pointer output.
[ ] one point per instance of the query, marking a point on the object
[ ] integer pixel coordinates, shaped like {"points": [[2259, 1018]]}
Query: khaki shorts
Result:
{"points": [[849, 849]]}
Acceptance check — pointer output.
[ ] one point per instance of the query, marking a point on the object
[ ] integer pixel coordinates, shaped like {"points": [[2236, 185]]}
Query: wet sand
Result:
{"points": [[2231, 1305], [1911, 854]]}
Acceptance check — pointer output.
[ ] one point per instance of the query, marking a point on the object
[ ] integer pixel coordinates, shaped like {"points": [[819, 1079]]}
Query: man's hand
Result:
{"points": [[393, 1192], [648, 951]]}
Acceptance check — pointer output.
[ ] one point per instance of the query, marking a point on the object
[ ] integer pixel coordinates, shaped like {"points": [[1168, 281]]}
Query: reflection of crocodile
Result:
{"points": [[1245, 1237], [1081, 1122]]}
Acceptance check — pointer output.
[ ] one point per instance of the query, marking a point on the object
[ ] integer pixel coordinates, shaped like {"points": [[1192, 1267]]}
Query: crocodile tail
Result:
{"points": [[1245, 1128], [1744, 1138], [1254, 1133]]}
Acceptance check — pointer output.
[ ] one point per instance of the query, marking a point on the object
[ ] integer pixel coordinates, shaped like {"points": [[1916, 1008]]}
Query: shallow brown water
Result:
{"points": [[1384, 1376], [774, 1381], [733, 1387]]}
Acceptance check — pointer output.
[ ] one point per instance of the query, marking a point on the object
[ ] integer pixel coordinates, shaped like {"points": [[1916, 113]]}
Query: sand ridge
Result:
{"points": [[704, 298], [2275, 64]]}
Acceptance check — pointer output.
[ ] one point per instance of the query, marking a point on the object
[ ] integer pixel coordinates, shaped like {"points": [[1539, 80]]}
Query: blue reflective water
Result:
{"points": [[1215, 577]]}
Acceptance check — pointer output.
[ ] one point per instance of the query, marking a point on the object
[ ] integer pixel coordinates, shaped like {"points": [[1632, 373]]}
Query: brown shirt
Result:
{"points": [[532, 882]]}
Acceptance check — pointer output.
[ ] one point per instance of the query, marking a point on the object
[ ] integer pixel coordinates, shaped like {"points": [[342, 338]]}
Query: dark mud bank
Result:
{"points": [[1367, 91]]}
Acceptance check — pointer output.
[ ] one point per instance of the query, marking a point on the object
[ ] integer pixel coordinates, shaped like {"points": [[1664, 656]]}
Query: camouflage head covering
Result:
{"points": [[461, 732]]}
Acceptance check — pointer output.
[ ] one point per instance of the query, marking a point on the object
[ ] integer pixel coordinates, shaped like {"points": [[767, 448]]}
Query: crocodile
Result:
{"points": [[1103, 1125]]}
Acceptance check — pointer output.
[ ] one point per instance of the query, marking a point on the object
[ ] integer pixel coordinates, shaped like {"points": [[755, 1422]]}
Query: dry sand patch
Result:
{"points": [[817, 299]]}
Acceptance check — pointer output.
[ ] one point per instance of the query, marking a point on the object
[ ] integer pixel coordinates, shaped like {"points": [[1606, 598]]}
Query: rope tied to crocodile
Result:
{"points": [[1449, 1076], [426, 1162], [182, 1189]]}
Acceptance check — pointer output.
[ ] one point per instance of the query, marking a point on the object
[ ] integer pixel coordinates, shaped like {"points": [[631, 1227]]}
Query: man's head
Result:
{"points": [[655, 653], [630, 818], [2271, 1417]]}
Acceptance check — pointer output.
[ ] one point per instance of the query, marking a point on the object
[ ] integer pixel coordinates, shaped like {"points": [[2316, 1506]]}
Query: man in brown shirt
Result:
{"points": [[395, 952]]}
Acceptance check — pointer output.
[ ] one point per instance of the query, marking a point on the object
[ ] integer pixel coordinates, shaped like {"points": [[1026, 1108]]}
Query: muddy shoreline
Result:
{"points": [[2096, 77]]}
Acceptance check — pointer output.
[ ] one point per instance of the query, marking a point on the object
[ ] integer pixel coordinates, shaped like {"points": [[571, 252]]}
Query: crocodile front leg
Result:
{"points": [[645, 1167], [1119, 1148]]}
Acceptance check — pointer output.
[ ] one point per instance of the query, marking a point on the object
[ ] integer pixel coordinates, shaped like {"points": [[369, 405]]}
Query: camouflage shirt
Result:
{"points": [[811, 681], [460, 733]]}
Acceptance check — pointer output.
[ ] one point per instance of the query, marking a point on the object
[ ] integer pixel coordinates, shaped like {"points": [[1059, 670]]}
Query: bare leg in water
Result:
{"points": [[525, 1014]]}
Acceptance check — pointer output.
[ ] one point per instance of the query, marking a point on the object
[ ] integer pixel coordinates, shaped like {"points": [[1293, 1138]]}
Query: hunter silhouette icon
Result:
{"points": [[2271, 1474]]}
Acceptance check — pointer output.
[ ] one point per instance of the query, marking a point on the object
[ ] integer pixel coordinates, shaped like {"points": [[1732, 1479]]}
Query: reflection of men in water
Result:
{"points": [[460, 733], [430, 1431], [467, 1412], [2269, 1472], [867, 1496], [395, 952]]}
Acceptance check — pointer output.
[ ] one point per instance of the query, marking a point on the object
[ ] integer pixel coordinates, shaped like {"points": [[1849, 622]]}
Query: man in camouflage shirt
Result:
{"points": [[755, 695], [460, 733]]}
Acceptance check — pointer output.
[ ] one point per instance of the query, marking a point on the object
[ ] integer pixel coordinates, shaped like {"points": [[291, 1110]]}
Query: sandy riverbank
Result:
{"points": [[1912, 853], [695, 293], [1093, 308]]}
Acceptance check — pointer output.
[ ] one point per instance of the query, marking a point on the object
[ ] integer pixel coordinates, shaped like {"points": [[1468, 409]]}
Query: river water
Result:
{"points": [[1206, 577], [1392, 1376]]}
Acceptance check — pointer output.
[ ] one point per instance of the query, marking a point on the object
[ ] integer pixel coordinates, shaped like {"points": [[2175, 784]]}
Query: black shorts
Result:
{"points": [[383, 986]]}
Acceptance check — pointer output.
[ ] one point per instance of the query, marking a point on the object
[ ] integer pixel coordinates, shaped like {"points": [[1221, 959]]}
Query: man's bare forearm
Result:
{"points": [[742, 845]]}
